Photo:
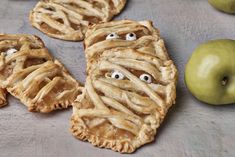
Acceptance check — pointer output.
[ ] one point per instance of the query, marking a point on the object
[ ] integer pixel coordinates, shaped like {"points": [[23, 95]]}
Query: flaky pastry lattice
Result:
{"points": [[28, 72], [130, 86], [69, 19]]}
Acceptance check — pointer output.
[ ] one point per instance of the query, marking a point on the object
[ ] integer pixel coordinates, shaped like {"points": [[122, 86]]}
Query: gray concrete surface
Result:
{"points": [[192, 129]]}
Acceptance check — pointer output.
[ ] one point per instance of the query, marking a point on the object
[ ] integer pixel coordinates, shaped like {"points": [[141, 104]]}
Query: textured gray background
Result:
{"points": [[192, 129]]}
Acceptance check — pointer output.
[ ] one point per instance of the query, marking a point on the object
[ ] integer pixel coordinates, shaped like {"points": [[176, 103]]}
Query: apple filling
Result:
{"points": [[33, 61], [7, 70], [46, 28], [61, 87]]}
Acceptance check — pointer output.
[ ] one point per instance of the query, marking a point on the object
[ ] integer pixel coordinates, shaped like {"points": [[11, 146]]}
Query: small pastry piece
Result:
{"points": [[130, 86], [69, 19], [28, 72]]}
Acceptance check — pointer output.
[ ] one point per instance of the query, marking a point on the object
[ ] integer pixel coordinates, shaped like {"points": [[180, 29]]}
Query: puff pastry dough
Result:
{"points": [[130, 86], [30, 74], [69, 19]]}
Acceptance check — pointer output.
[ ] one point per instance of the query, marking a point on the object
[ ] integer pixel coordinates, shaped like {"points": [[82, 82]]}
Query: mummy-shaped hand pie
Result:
{"points": [[129, 88], [69, 19], [28, 72]]}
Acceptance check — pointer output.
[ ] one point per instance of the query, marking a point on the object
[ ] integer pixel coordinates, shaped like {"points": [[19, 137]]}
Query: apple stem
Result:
{"points": [[225, 81]]}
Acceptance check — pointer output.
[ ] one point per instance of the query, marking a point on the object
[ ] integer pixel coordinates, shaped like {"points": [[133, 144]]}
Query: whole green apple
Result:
{"points": [[210, 72], [227, 6]]}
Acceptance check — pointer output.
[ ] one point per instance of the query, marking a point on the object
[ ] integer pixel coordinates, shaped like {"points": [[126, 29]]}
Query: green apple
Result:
{"points": [[210, 72], [227, 6]]}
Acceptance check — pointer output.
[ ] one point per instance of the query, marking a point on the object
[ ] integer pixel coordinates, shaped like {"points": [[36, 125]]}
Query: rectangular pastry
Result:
{"points": [[130, 86], [28, 72], [69, 19]]}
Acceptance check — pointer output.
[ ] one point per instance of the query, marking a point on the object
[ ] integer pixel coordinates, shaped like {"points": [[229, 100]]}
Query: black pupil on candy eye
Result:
{"points": [[131, 35], [111, 35], [146, 78], [117, 76]]}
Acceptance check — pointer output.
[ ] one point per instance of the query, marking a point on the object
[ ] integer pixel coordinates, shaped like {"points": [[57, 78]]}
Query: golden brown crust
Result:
{"points": [[30, 74], [148, 39], [123, 146], [3, 100], [69, 19], [130, 86]]}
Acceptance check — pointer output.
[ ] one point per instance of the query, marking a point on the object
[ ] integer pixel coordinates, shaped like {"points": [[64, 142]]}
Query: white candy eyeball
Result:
{"points": [[117, 75], [11, 51], [146, 78], [131, 37], [112, 36]]}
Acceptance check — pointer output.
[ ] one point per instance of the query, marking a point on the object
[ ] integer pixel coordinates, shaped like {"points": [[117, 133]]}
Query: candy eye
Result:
{"points": [[146, 78], [117, 75], [11, 51], [112, 36], [131, 37]]}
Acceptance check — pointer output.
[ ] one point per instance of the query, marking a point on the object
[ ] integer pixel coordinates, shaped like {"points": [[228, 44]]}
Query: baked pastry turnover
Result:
{"points": [[130, 86], [28, 72], [69, 19]]}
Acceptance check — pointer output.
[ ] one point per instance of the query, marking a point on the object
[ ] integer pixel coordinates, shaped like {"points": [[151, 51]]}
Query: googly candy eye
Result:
{"points": [[131, 37], [112, 36], [146, 78], [10, 51], [117, 75]]}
